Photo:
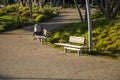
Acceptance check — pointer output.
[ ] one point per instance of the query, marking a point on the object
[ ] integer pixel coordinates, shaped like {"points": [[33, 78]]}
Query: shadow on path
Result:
{"points": [[30, 78], [10, 33]]}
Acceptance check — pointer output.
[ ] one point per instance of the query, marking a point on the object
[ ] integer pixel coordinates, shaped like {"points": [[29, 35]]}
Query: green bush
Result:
{"points": [[40, 18], [64, 37], [96, 32], [118, 42], [26, 13], [11, 8], [1, 27], [111, 47], [2, 12], [101, 36], [24, 18], [23, 9], [97, 15], [57, 35], [34, 15]]}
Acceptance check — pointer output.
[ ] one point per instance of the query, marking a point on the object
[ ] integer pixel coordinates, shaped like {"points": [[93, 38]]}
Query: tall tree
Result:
{"points": [[109, 8], [23, 2], [79, 11], [30, 5], [63, 3], [51, 3], [41, 3], [3, 2]]}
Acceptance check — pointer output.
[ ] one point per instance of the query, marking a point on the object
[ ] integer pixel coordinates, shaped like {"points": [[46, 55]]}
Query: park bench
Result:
{"points": [[71, 46], [42, 37]]}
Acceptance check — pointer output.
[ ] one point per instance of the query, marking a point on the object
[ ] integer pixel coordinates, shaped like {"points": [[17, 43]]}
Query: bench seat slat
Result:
{"points": [[69, 45], [72, 48], [39, 36]]}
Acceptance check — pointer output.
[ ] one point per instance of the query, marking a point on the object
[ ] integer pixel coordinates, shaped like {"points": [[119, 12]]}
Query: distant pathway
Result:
{"points": [[22, 58], [66, 16]]}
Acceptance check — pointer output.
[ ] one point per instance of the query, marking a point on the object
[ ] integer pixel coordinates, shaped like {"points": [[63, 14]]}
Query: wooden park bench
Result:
{"points": [[74, 39], [42, 37]]}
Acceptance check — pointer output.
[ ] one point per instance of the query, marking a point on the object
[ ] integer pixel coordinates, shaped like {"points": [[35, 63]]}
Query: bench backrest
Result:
{"points": [[75, 39]]}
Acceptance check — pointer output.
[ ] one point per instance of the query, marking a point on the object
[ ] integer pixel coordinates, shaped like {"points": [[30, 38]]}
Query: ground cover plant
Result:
{"points": [[106, 35], [17, 16]]}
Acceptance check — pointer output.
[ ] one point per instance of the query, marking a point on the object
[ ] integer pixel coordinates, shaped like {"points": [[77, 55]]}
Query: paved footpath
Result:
{"points": [[22, 58]]}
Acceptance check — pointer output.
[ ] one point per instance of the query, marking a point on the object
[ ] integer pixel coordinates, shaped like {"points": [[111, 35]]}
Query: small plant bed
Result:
{"points": [[16, 16], [8, 22]]}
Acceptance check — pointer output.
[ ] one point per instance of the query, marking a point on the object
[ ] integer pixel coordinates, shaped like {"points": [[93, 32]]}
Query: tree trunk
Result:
{"points": [[116, 10], [30, 5], [63, 3], [79, 11], [85, 15], [106, 10], [41, 3], [35, 2], [4, 2], [51, 3], [109, 8], [23, 2]]}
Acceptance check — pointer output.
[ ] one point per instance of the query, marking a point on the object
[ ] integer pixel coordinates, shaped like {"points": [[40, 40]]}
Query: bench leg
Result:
{"points": [[41, 41], [79, 52], [65, 50]]}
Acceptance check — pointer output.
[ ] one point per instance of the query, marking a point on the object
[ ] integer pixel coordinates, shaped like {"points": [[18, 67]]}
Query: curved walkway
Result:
{"points": [[22, 58]]}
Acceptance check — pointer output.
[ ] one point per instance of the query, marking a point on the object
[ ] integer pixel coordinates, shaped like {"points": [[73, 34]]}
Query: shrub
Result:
{"points": [[101, 36], [111, 47], [34, 15], [2, 12], [114, 38], [64, 37], [26, 13], [40, 18], [23, 9], [57, 35], [11, 8], [1, 27], [97, 15], [24, 18], [96, 32], [118, 42], [105, 31]]}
